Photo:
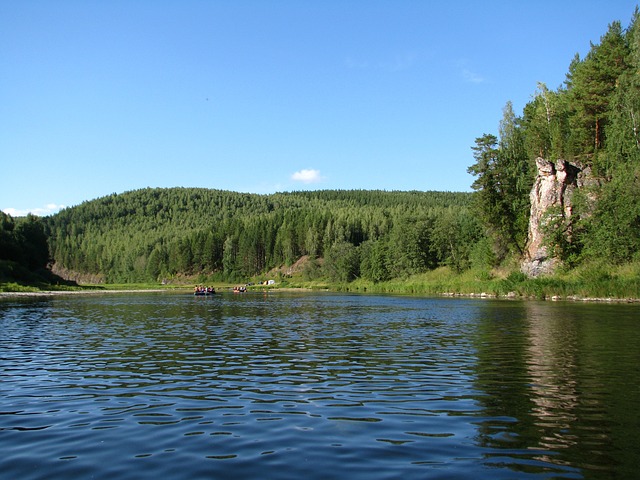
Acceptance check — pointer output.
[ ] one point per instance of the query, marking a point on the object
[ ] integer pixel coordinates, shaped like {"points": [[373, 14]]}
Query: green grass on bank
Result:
{"points": [[588, 281]]}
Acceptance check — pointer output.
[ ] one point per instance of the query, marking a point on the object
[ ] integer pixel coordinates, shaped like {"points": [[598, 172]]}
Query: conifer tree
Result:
{"points": [[503, 184], [591, 83]]}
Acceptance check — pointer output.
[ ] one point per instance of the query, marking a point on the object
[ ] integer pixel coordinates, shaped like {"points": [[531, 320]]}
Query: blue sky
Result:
{"points": [[261, 96]]}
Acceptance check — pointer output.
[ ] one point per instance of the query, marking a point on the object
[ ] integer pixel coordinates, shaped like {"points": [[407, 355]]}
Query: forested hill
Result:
{"points": [[154, 234]]}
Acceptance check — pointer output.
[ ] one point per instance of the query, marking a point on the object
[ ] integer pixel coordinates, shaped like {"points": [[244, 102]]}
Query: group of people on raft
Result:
{"points": [[202, 290]]}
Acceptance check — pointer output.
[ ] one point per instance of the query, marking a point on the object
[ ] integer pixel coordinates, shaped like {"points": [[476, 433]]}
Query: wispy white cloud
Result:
{"points": [[307, 176], [472, 77], [48, 209], [468, 74]]}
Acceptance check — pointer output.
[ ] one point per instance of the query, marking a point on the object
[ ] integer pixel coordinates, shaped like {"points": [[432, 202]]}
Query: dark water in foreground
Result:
{"points": [[317, 386]]}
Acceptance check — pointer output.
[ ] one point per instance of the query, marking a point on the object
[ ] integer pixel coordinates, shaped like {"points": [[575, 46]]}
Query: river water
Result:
{"points": [[317, 386]]}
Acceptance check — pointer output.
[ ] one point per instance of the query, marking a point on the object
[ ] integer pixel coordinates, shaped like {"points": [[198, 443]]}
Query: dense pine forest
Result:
{"points": [[592, 121], [156, 234]]}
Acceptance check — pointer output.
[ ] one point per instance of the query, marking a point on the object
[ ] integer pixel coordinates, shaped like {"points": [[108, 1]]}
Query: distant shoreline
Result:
{"points": [[56, 293], [555, 298]]}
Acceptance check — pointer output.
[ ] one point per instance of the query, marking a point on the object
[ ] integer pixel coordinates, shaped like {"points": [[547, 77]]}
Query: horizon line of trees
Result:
{"points": [[154, 234]]}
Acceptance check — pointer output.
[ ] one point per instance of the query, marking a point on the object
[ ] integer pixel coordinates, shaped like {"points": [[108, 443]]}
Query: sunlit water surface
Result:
{"points": [[317, 386]]}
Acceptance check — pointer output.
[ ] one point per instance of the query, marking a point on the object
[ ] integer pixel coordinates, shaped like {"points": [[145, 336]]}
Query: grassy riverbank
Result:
{"points": [[595, 281]]}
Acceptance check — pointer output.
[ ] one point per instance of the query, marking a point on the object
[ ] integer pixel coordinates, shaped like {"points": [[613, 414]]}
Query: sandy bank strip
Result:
{"points": [[55, 293]]}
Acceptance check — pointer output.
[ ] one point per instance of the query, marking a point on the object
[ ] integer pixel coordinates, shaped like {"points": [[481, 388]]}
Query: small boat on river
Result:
{"points": [[204, 291]]}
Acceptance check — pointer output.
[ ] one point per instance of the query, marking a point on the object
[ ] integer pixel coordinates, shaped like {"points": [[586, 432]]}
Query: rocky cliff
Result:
{"points": [[551, 201]]}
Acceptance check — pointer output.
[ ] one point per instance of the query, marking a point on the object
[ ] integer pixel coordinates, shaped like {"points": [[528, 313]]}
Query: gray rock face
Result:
{"points": [[550, 197]]}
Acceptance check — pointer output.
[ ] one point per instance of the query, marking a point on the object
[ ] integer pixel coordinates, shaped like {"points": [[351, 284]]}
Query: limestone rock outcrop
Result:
{"points": [[551, 198]]}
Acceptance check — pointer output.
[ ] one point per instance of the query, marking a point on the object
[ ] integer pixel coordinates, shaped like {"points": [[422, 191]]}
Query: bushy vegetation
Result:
{"points": [[23, 241], [24, 252]]}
